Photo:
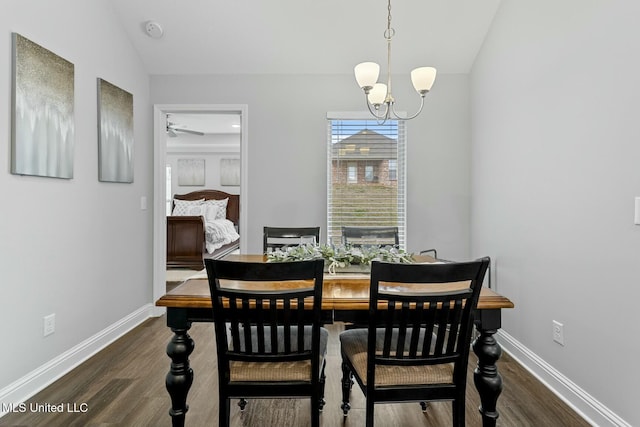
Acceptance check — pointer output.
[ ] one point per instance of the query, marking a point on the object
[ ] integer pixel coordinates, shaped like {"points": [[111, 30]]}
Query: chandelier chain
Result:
{"points": [[389, 33], [383, 108], [389, 30]]}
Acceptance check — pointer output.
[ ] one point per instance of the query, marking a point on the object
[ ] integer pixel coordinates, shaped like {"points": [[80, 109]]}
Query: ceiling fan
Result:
{"points": [[174, 128]]}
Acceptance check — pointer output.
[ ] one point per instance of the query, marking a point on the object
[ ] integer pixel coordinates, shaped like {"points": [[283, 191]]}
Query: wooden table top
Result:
{"points": [[341, 291]]}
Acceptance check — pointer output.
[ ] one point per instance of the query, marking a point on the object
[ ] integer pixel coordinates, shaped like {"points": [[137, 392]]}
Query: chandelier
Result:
{"points": [[378, 96]]}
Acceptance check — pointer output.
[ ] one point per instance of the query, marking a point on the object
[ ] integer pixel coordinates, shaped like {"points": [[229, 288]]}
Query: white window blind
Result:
{"points": [[366, 177]]}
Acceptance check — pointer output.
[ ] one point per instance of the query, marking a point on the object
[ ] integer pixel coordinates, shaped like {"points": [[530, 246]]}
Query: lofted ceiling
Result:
{"points": [[304, 36], [300, 37]]}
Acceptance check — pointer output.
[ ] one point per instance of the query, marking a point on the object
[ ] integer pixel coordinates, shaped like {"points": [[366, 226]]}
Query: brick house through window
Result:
{"points": [[365, 157]]}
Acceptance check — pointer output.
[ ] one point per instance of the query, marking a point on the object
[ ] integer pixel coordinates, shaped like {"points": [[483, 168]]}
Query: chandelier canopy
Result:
{"points": [[379, 98]]}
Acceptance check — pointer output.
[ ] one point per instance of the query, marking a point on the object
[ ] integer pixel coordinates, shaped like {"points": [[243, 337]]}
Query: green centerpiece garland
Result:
{"points": [[340, 256]]}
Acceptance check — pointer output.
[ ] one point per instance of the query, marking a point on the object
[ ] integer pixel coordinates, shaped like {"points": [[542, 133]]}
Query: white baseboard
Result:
{"points": [[25, 387], [157, 311], [593, 411], [582, 402]]}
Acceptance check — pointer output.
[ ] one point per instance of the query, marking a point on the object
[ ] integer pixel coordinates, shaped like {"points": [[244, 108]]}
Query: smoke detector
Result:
{"points": [[153, 29]]}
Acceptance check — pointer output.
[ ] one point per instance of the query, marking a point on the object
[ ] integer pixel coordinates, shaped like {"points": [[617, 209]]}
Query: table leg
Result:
{"points": [[180, 376], [486, 377]]}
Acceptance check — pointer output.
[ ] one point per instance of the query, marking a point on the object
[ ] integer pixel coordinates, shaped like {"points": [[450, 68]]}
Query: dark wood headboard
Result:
{"points": [[233, 206]]}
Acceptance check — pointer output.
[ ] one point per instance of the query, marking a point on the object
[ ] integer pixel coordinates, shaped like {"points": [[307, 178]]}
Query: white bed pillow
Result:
{"points": [[211, 212], [221, 205], [186, 207]]}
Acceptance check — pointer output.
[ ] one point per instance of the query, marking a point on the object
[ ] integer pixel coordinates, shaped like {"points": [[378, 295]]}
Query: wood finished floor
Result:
{"points": [[123, 385]]}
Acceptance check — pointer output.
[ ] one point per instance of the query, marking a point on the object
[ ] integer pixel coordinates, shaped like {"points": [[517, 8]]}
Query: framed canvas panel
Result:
{"points": [[42, 125], [115, 133], [229, 172], [191, 172]]}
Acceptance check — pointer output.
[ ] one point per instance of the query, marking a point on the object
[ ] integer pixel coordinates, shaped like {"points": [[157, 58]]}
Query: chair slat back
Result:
{"points": [[266, 325], [424, 313], [361, 236], [280, 237]]}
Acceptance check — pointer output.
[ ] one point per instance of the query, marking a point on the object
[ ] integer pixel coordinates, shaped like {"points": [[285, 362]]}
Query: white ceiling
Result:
{"points": [[301, 37], [304, 36]]}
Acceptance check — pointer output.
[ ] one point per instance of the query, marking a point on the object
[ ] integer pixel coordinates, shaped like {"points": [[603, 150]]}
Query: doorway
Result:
{"points": [[160, 113]]}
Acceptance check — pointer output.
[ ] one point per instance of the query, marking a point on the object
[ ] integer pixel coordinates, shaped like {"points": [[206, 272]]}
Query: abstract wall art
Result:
{"points": [[229, 172], [42, 122], [115, 133], [191, 172]]}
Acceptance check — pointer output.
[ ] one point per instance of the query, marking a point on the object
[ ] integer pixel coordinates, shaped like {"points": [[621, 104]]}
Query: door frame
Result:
{"points": [[160, 112]]}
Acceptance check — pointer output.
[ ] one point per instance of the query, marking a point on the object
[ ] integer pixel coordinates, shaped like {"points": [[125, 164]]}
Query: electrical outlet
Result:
{"points": [[49, 324], [558, 332]]}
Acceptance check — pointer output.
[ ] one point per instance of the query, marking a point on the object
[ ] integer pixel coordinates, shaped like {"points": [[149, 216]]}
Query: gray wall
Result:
{"points": [[543, 174], [287, 149], [78, 248], [555, 163], [83, 249], [210, 148]]}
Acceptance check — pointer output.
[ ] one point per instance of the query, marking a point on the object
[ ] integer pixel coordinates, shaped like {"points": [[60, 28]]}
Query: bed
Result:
{"points": [[202, 224]]}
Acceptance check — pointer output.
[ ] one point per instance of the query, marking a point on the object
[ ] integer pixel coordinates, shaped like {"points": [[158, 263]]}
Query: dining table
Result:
{"points": [[345, 298]]}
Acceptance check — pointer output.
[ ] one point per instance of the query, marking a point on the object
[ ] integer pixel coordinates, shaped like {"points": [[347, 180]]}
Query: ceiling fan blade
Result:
{"points": [[173, 127], [193, 132]]}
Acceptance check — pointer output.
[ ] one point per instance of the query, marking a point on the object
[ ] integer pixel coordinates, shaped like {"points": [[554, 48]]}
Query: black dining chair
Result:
{"points": [[270, 343], [416, 345], [363, 236], [281, 237], [433, 252]]}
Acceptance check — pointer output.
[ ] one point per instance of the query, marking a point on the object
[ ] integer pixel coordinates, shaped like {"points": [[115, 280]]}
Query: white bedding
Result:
{"points": [[219, 232]]}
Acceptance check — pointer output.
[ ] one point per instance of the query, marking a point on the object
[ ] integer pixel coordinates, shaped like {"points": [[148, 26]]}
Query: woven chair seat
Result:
{"points": [[241, 371], [354, 346]]}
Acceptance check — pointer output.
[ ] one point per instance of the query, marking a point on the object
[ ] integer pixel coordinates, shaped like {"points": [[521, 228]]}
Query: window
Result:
{"points": [[365, 175], [393, 169], [368, 173], [352, 173]]}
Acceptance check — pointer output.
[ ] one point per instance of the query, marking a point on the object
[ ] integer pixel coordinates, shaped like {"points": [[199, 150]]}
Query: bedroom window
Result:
{"points": [[365, 174]]}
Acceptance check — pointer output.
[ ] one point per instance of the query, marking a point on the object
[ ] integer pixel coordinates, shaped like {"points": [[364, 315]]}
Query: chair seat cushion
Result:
{"points": [[242, 371], [354, 347]]}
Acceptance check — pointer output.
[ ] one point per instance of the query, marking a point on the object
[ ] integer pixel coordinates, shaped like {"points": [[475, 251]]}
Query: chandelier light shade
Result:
{"points": [[377, 94], [423, 78], [379, 98], [367, 74]]}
